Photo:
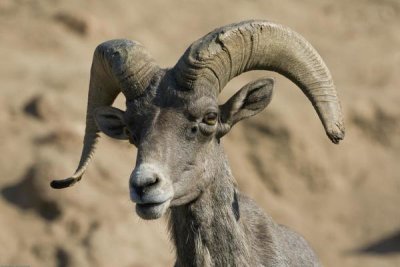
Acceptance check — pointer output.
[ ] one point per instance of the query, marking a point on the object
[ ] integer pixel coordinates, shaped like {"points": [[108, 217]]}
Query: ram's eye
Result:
{"points": [[210, 118]]}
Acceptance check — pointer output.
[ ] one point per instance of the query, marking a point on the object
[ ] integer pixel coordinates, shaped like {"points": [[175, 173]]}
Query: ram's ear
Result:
{"points": [[110, 121], [248, 101]]}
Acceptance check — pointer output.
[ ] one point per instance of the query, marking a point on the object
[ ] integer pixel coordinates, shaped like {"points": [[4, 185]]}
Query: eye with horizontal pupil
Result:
{"points": [[210, 118]]}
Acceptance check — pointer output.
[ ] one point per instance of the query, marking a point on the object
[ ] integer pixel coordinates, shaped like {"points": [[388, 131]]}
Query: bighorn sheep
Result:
{"points": [[173, 119]]}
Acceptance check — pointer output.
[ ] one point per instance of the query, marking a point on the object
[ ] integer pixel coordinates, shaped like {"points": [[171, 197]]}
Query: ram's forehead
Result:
{"points": [[188, 103]]}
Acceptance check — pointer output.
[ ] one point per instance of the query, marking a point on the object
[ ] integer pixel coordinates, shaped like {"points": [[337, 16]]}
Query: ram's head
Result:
{"points": [[172, 115]]}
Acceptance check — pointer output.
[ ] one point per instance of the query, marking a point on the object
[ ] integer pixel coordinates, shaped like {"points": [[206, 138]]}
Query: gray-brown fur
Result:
{"points": [[172, 116]]}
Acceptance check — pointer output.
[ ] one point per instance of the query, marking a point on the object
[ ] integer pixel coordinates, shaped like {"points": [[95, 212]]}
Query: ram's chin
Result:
{"points": [[152, 211]]}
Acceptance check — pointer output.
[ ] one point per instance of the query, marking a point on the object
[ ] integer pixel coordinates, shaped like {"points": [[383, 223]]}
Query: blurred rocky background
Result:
{"points": [[344, 199]]}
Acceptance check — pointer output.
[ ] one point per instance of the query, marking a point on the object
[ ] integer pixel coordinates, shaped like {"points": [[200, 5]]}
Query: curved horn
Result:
{"points": [[212, 61], [118, 66]]}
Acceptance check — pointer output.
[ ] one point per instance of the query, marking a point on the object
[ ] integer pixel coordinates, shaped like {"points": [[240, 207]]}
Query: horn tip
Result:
{"points": [[336, 135], [64, 183]]}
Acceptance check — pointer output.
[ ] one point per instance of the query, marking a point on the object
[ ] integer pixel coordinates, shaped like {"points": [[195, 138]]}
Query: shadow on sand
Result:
{"points": [[387, 245]]}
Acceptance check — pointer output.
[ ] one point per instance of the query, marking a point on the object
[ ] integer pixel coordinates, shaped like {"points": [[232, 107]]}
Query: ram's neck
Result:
{"points": [[208, 231]]}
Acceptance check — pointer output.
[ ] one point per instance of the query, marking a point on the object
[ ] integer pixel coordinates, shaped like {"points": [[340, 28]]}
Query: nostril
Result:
{"points": [[155, 181], [141, 186]]}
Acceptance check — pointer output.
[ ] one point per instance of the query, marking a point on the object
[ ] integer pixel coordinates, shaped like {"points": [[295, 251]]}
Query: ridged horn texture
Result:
{"points": [[118, 66], [212, 61]]}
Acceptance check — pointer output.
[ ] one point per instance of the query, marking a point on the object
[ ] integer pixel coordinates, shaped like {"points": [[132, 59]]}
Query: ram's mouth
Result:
{"points": [[151, 211]]}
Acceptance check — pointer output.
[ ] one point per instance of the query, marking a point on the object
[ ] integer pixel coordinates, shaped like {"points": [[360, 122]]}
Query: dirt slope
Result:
{"points": [[344, 199]]}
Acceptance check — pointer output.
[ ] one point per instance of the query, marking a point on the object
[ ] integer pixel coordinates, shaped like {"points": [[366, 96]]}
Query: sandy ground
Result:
{"points": [[344, 199]]}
